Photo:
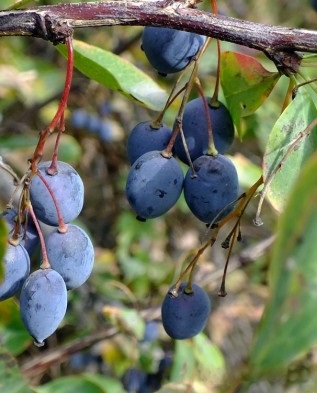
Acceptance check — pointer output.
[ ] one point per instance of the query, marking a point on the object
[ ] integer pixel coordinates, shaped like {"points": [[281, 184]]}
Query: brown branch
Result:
{"points": [[56, 22], [40, 363]]}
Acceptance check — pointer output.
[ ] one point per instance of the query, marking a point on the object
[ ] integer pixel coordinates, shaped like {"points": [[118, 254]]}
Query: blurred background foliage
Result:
{"points": [[111, 339]]}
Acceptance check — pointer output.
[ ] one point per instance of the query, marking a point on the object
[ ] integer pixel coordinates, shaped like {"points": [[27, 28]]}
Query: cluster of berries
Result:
{"points": [[156, 180]]}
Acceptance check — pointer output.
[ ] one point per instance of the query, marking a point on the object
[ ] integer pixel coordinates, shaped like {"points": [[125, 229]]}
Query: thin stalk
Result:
{"points": [[222, 291], [211, 144], [62, 227], [44, 134], [69, 76], [305, 83], [177, 128], [45, 262], [52, 169], [289, 94], [214, 98], [236, 213]]}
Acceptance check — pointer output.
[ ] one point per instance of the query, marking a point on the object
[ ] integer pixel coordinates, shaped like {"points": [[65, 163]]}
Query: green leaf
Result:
{"points": [[110, 385], [133, 322], [210, 361], [296, 117], [246, 84], [69, 148], [289, 325], [19, 4], [82, 384], [3, 245], [14, 336], [117, 74], [16, 142], [192, 387], [197, 359], [248, 172], [174, 388], [184, 361], [126, 319], [11, 380]]}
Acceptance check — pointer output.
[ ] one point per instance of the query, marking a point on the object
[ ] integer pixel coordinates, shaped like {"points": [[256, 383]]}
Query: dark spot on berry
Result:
{"points": [[160, 193]]}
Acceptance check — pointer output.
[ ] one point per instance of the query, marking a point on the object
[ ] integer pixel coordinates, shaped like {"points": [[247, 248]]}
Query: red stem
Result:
{"points": [[214, 99], [214, 6], [62, 227], [68, 81], [58, 118], [211, 145], [45, 262], [169, 102], [52, 169]]}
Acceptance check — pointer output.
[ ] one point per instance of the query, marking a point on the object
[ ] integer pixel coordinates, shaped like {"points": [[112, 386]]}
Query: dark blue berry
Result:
{"points": [[66, 186], [80, 361], [144, 138], [71, 254], [210, 191], [105, 131], [93, 123], [17, 268], [185, 315], [154, 184], [133, 380], [195, 128], [28, 235], [43, 303], [79, 118], [105, 108], [170, 50], [151, 331]]}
